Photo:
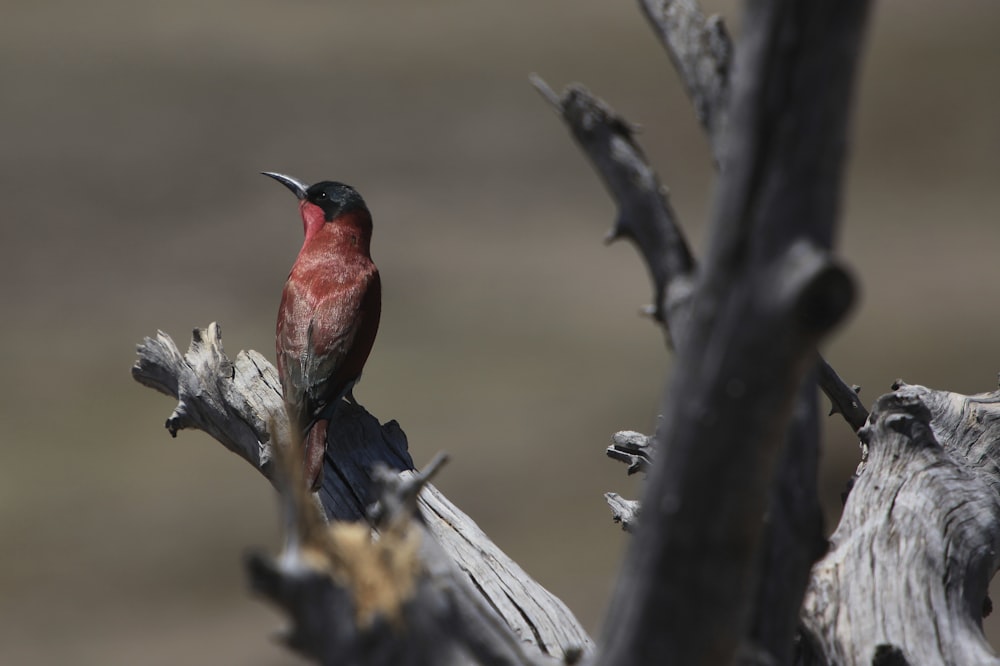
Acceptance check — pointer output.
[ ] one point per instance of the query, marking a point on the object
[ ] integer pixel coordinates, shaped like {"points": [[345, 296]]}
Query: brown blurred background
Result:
{"points": [[131, 134]]}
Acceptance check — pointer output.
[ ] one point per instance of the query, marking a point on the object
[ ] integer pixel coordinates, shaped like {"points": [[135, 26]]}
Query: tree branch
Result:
{"points": [[701, 51], [767, 293], [645, 215], [843, 398], [231, 401], [397, 599], [910, 563], [237, 402]]}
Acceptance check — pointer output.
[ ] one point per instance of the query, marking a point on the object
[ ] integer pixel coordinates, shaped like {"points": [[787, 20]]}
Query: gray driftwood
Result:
{"points": [[236, 402]]}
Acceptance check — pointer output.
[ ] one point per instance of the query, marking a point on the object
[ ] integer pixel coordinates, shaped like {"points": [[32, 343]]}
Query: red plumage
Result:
{"points": [[329, 312]]}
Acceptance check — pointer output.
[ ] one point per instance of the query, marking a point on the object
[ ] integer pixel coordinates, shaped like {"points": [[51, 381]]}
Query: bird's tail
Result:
{"points": [[315, 449]]}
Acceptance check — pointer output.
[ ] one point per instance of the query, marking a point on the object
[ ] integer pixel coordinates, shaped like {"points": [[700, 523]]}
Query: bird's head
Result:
{"points": [[323, 202]]}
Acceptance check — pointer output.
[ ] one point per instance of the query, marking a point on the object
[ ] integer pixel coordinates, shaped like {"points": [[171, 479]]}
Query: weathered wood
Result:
{"points": [[794, 526], [910, 562], [397, 598], [235, 401], [766, 293], [632, 448], [623, 511], [231, 401], [701, 51]]}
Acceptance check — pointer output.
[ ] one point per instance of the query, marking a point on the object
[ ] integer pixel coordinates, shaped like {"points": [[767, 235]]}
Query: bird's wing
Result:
{"points": [[326, 340]]}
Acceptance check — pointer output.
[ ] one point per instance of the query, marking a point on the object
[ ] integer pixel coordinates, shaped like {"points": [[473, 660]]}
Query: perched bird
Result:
{"points": [[329, 312]]}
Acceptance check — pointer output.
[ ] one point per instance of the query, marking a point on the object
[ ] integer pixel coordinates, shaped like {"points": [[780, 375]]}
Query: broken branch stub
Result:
{"points": [[233, 401]]}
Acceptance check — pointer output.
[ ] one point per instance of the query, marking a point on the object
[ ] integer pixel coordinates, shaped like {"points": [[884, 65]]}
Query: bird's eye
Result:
{"points": [[321, 196]]}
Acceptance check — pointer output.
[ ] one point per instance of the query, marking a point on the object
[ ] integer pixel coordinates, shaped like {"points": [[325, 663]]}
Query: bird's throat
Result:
{"points": [[342, 237], [313, 218]]}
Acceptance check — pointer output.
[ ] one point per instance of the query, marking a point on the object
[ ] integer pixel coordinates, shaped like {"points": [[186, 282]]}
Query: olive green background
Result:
{"points": [[131, 134]]}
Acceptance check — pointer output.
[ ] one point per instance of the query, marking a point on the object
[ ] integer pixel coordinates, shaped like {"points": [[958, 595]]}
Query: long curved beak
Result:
{"points": [[297, 187]]}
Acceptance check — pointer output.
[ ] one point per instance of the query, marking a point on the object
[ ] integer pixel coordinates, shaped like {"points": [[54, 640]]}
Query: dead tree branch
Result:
{"points": [[910, 563], [843, 398], [625, 512], [395, 599], [234, 401], [646, 217], [701, 52], [632, 448], [766, 294]]}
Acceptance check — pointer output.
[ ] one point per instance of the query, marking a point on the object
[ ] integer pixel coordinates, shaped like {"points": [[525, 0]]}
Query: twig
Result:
{"points": [[645, 215], [844, 398]]}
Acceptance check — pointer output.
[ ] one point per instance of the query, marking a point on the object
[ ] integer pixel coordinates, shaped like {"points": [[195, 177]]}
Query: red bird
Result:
{"points": [[329, 311]]}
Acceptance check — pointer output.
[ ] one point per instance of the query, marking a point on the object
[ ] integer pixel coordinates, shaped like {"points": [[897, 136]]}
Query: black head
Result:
{"points": [[332, 197]]}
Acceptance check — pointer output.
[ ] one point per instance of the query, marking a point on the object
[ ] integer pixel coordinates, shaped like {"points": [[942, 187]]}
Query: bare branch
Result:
{"points": [[701, 52], [235, 401], [844, 398], [767, 292], [607, 140], [645, 215]]}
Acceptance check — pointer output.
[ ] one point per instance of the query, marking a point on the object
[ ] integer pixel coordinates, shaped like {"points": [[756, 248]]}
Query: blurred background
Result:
{"points": [[131, 134]]}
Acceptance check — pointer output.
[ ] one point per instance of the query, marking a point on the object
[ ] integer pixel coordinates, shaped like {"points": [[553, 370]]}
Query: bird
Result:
{"points": [[329, 312]]}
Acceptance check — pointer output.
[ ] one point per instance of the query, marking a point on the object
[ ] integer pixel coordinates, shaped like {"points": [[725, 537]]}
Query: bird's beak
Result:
{"points": [[297, 187]]}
